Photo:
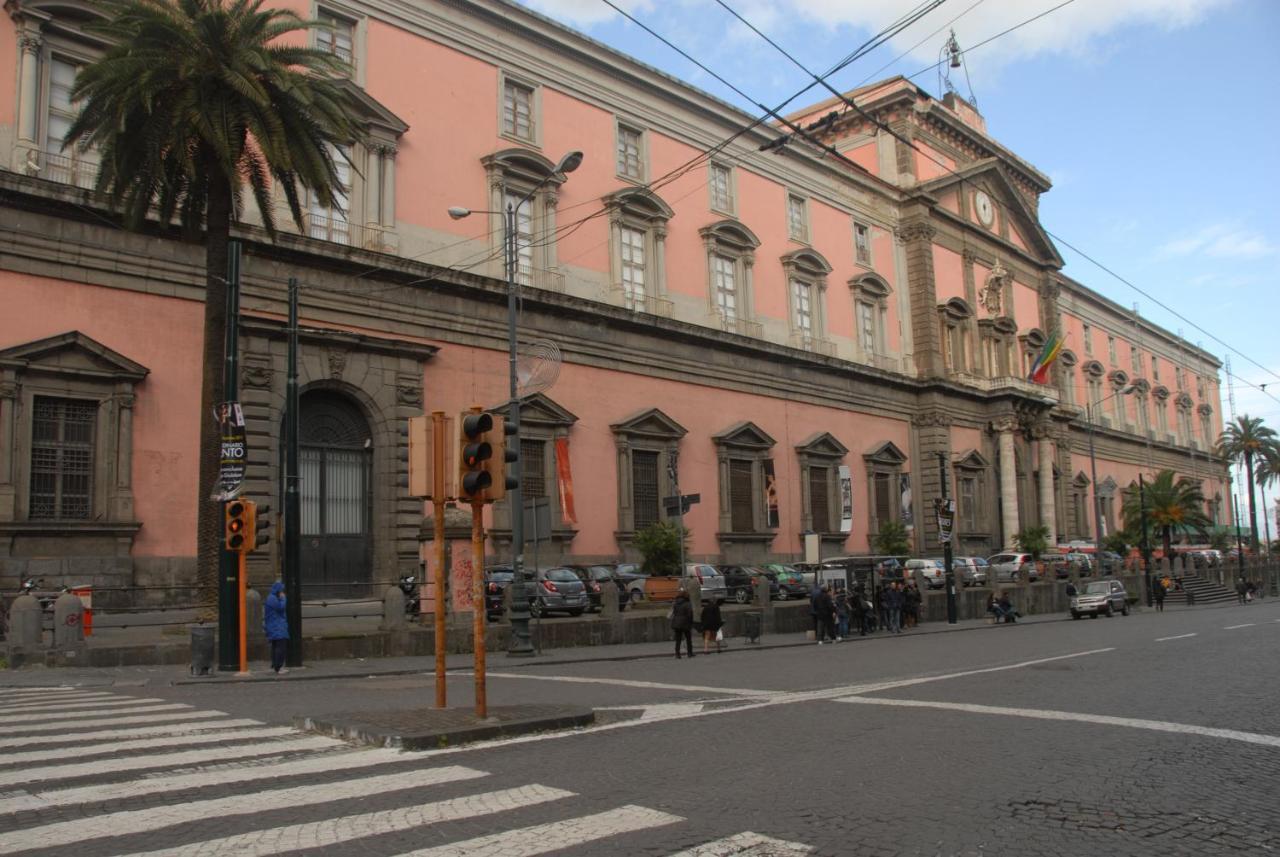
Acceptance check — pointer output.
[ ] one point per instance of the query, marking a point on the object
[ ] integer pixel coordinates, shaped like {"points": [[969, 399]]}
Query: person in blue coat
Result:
{"points": [[276, 624]]}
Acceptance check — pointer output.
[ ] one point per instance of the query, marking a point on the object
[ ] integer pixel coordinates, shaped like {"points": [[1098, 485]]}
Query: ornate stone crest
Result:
{"points": [[337, 364], [993, 288]]}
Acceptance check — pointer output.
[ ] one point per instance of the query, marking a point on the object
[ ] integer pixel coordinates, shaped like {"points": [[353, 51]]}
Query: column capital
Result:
{"points": [[1005, 425]]}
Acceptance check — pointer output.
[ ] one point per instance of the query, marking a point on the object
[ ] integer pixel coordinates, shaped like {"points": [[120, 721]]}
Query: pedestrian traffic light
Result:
{"points": [[474, 454], [239, 522], [262, 525]]}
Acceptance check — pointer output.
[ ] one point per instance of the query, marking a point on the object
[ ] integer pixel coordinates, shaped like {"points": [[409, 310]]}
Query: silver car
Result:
{"points": [[558, 590], [971, 569], [1012, 566], [711, 580], [932, 570], [1100, 597]]}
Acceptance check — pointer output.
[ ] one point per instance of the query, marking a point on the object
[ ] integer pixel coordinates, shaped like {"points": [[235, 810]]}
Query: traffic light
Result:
{"points": [[262, 524], [239, 522], [474, 454]]}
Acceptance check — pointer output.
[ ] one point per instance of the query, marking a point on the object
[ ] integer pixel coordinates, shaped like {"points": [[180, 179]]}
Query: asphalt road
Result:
{"points": [[1151, 734]]}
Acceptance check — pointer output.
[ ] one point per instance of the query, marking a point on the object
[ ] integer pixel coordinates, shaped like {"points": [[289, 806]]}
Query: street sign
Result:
{"points": [[232, 459], [679, 504], [946, 510]]}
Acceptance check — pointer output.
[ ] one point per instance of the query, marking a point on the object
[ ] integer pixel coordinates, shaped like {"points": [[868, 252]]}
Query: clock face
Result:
{"points": [[983, 206]]}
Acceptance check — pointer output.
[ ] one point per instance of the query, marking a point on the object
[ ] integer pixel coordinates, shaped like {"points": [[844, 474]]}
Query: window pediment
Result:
{"points": [[730, 233], [886, 454], [73, 353], [540, 410], [1069, 358], [1118, 378], [650, 423], [376, 116], [972, 460], [956, 309], [1094, 369], [1160, 392], [1033, 338], [807, 261], [1184, 402], [1002, 325], [1108, 487], [870, 286], [1081, 480], [744, 435], [639, 202], [1205, 410], [523, 165], [823, 445]]}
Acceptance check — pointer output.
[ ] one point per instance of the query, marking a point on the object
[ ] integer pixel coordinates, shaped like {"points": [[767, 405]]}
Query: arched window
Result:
{"points": [[954, 318], [512, 174], [637, 258], [870, 312], [806, 275], [731, 257]]}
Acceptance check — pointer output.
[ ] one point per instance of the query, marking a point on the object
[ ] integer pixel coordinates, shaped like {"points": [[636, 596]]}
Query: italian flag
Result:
{"points": [[1040, 369]]}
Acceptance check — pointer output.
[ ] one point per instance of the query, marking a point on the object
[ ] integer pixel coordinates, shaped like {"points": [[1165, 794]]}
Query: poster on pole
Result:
{"points": [[234, 451], [564, 480], [770, 494], [846, 499]]}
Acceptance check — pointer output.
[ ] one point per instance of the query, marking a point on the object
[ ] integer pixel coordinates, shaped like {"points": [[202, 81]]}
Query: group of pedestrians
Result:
{"points": [[836, 616], [710, 623], [1003, 610]]}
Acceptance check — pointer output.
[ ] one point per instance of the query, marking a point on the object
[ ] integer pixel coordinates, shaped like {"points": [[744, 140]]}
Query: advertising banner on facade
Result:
{"points": [[770, 494], [905, 509], [564, 479], [846, 499], [231, 463]]}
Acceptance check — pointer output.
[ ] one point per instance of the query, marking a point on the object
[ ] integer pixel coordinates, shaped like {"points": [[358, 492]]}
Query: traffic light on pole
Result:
{"points": [[239, 522], [475, 476], [496, 464], [261, 525]]}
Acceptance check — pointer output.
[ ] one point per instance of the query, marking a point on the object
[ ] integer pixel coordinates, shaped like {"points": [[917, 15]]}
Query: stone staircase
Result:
{"points": [[1205, 591]]}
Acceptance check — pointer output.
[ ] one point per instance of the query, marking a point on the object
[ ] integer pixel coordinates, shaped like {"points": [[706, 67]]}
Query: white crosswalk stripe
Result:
{"points": [[73, 720], [13, 700], [184, 728], [79, 705], [543, 838], [252, 733], [746, 845]]}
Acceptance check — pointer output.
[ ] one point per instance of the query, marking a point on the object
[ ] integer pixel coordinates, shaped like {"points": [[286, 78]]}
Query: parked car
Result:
{"points": [[970, 570], [601, 580], [932, 570], [632, 578], [1081, 563], [740, 581], [1055, 565], [558, 590], [496, 581], [710, 578], [790, 581], [1100, 597], [1012, 567], [1109, 562]]}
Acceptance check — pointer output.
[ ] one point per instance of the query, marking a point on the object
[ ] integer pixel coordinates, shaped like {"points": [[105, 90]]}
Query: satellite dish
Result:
{"points": [[537, 366]]}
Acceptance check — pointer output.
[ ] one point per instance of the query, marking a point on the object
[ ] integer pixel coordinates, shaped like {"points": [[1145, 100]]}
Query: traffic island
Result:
{"points": [[433, 728]]}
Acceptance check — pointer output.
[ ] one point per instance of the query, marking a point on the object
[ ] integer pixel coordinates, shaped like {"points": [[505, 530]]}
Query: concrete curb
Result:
{"points": [[429, 728]]}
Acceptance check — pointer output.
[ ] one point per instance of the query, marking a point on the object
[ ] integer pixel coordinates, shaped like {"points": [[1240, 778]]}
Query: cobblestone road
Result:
{"points": [[1152, 734]]}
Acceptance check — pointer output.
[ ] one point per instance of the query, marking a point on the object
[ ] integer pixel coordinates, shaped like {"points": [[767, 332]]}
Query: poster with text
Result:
{"points": [[770, 494], [846, 499]]}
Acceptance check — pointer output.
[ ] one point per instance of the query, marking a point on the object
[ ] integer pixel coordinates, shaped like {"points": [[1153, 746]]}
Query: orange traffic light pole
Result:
{"points": [[240, 588], [437, 501], [477, 605]]}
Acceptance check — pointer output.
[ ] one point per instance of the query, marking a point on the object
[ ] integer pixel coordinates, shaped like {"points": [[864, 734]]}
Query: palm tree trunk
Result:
{"points": [[212, 391], [1253, 513], [1167, 534]]}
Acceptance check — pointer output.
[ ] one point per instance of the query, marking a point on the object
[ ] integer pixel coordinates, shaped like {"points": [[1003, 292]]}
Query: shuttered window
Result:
{"points": [[741, 496], [819, 499], [883, 498], [533, 468], [644, 487], [62, 458]]}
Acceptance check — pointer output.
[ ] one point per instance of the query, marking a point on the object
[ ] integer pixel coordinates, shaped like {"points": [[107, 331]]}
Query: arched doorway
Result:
{"points": [[335, 453]]}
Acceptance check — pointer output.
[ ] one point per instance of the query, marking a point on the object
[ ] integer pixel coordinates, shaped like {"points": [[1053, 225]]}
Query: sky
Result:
{"points": [[1155, 119]]}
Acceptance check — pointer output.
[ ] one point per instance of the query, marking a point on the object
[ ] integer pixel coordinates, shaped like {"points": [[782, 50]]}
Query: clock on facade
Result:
{"points": [[985, 209]]}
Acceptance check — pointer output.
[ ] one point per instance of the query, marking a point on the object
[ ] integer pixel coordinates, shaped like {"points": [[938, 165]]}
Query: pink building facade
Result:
{"points": [[730, 316]]}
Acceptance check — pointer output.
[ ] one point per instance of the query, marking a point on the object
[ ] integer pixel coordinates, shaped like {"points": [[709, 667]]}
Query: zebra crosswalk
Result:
{"points": [[144, 777]]}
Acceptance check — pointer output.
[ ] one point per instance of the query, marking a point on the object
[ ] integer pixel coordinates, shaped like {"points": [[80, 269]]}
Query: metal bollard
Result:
{"points": [[26, 630]]}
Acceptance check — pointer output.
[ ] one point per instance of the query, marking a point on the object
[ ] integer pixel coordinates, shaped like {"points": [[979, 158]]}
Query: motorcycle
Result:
{"points": [[412, 594]]}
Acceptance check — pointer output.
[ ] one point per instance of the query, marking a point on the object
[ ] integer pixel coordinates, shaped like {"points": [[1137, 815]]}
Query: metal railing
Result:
{"points": [[68, 169], [340, 231]]}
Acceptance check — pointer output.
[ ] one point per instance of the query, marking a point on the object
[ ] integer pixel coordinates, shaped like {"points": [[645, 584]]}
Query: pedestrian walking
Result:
{"points": [[275, 622], [911, 600], [862, 610], [1158, 593], [1242, 589], [1072, 592], [825, 614], [682, 622], [893, 607], [842, 614], [813, 609], [712, 623]]}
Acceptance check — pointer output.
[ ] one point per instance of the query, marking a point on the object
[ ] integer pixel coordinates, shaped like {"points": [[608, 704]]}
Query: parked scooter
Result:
{"points": [[412, 594], [46, 599]]}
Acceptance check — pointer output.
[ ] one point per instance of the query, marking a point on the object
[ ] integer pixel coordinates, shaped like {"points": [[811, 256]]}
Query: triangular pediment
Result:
{"points": [[1107, 487], [744, 434], [1081, 480], [823, 444], [371, 110], [972, 460], [72, 353], [540, 409], [885, 453], [651, 423], [989, 175]]}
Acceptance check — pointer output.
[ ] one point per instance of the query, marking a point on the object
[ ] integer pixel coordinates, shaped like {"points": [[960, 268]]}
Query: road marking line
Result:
{"points": [[319, 834], [75, 721], [648, 685], [746, 843], [1245, 625], [132, 821], [910, 682], [159, 729], [79, 705], [287, 740], [13, 698], [1178, 637], [1101, 719], [555, 835], [341, 761], [91, 723], [258, 730]]}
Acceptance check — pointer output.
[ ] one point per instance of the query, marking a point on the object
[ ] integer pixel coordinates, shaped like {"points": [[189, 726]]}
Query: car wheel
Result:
{"points": [[782, 595], [1110, 611], [741, 596], [1124, 611], [637, 595], [536, 609], [1075, 615]]}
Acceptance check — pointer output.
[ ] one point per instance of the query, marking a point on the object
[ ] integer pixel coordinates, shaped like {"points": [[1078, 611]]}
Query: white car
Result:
{"points": [[711, 580], [1012, 567], [932, 570]]}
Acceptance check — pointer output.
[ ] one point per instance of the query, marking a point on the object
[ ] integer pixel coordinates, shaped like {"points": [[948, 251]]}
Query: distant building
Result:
{"points": [[789, 315]]}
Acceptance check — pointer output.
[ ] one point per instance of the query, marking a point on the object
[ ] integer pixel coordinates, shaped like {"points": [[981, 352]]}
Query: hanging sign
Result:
{"points": [[234, 454], [770, 494], [564, 481], [946, 510], [846, 499]]}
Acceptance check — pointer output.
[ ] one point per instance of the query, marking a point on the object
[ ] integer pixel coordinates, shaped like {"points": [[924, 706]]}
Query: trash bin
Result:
{"points": [[85, 594], [752, 624], [202, 650]]}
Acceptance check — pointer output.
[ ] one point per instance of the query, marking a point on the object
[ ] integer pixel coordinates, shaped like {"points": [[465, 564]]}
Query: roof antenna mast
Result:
{"points": [[951, 57]]}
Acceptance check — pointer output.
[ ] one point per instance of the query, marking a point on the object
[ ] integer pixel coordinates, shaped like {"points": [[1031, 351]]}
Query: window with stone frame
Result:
{"points": [[819, 458], [1067, 387], [1111, 352], [533, 468], [1206, 425], [638, 232], [1086, 336], [1030, 346], [999, 338], [806, 274], [862, 244], [543, 422], [741, 453], [884, 466], [512, 175], [519, 110], [1142, 411], [336, 36], [1117, 381], [730, 249], [1135, 360], [1177, 377], [332, 221], [797, 218], [1081, 518], [70, 165], [720, 182], [972, 471], [871, 310], [1160, 401], [955, 317], [647, 446], [66, 441], [630, 145]]}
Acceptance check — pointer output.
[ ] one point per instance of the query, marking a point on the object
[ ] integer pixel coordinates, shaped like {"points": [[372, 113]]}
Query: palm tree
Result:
{"points": [[1268, 473], [194, 101], [1173, 504], [1249, 439]]}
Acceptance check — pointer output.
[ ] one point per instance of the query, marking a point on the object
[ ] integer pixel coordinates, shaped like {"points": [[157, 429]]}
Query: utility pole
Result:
{"points": [[946, 516], [1146, 543], [228, 562], [292, 492]]}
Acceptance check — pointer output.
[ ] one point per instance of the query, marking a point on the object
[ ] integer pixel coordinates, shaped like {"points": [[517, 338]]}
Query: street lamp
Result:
{"points": [[1093, 469], [521, 644]]}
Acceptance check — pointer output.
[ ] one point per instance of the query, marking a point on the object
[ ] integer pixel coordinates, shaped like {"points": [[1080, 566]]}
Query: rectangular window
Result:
{"points": [[969, 504], [721, 188], [71, 166], [517, 110], [337, 36], [1111, 350], [1087, 335], [867, 327], [820, 499], [1177, 377], [797, 219], [862, 243], [883, 498], [330, 222], [1135, 360], [1162, 418], [741, 496], [630, 163], [802, 299], [1155, 368], [633, 270], [62, 459], [533, 468], [523, 239], [644, 487], [724, 273]]}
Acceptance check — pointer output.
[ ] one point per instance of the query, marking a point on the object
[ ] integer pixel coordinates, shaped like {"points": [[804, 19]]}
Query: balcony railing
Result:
{"points": [[651, 304], [1006, 382], [812, 343], [339, 231], [66, 169], [741, 326]]}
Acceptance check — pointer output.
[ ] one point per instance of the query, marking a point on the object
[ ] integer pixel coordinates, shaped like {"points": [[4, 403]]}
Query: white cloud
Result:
{"points": [[1221, 241]]}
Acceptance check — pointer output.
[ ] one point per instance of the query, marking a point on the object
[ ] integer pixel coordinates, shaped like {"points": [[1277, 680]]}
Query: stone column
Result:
{"points": [[1008, 479], [389, 187], [1048, 510], [916, 237], [28, 84], [8, 423]]}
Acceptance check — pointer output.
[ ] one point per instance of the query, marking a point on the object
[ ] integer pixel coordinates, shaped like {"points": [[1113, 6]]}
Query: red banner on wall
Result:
{"points": [[564, 476]]}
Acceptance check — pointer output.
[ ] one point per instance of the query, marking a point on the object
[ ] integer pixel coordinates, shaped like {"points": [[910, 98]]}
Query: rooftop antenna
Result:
{"points": [[951, 57]]}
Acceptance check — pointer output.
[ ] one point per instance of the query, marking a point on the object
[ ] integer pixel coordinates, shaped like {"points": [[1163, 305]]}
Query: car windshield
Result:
{"points": [[501, 576], [562, 575], [601, 572], [1099, 588]]}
